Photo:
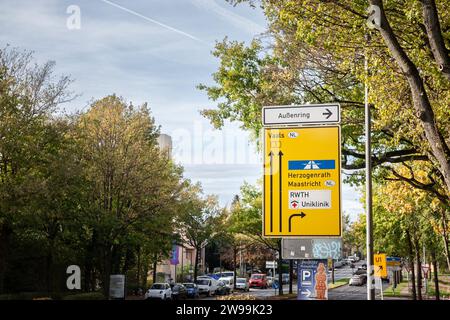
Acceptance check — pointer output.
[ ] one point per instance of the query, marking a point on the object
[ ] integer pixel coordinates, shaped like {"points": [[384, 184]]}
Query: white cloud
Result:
{"points": [[237, 20]]}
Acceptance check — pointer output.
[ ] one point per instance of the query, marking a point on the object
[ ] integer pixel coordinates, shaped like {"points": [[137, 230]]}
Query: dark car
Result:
{"points": [[179, 292], [222, 289], [192, 290]]}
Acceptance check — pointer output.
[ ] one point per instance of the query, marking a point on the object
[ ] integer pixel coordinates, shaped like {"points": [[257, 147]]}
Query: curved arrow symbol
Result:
{"points": [[301, 215]]}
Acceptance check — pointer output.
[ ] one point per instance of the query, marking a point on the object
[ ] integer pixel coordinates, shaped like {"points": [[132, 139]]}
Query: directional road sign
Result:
{"points": [[380, 268], [302, 182], [315, 248], [393, 261], [312, 280], [271, 264], [301, 114]]}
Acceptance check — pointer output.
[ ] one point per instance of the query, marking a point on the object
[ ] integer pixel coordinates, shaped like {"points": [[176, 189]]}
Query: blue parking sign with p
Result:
{"points": [[312, 279], [307, 277]]}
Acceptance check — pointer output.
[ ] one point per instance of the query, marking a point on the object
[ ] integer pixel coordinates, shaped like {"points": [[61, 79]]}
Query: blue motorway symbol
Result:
{"points": [[311, 164]]}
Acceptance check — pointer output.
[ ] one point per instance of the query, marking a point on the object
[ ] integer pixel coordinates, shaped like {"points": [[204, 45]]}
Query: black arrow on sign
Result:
{"points": [[271, 191], [328, 113], [280, 154], [301, 215]]}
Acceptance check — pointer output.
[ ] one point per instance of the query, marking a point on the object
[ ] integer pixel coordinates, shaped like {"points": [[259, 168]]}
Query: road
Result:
{"points": [[344, 292], [347, 292]]}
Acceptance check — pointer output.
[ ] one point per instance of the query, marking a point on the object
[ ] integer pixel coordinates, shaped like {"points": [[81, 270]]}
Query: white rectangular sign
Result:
{"points": [[301, 114], [309, 199]]}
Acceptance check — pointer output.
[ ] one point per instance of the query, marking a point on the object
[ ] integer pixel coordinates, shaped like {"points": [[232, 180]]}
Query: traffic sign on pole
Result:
{"points": [[271, 265], [380, 265], [301, 114], [302, 182], [312, 280]]}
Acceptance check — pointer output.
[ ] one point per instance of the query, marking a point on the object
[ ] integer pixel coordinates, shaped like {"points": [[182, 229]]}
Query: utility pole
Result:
{"points": [[369, 230]]}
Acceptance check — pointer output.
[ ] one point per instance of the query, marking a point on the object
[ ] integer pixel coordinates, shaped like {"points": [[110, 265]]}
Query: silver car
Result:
{"points": [[242, 284], [357, 280]]}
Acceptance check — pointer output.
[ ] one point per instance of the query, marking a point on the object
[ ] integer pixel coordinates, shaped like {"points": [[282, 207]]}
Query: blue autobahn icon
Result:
{"points": [[311, 164]]}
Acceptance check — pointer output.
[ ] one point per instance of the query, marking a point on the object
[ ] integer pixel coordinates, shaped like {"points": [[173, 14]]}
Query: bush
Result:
{"points": [[86, 296], [24, 296], [238, 297]]}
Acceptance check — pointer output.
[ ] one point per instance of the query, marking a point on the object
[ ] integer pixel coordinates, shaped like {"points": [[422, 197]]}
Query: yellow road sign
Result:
{"points": [[302, 182], [379, 264]]}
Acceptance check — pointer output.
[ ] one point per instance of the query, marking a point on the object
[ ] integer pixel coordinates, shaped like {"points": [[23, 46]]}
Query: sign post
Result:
{"points": [[380, 265], [302, 114]]}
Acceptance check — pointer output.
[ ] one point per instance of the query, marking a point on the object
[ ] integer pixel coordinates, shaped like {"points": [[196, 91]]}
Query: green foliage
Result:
{"points": [[91, 189], [314, 52], [85, 296]]}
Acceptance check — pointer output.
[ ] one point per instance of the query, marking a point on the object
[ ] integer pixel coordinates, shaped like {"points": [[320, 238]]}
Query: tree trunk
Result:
{"points": [[234, 266], [437, 43], [49, 271], [411, 264], [107, 270], [280, 270], [291, 274], [435, 273], [419, 270], [143, 283], [138, 274], [445, 238], [155, 264], [421, 102], [196, 263], [5, 236]]}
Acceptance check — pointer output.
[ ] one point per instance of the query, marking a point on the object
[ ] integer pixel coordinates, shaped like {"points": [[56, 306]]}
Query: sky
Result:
{"points": [[154, 51]]}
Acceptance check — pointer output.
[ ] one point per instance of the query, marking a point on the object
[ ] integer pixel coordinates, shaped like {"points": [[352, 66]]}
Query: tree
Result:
{"points": [[130, 188], [29, 93], [315, 53], [197, 219], [247, 223], [406, 222]]}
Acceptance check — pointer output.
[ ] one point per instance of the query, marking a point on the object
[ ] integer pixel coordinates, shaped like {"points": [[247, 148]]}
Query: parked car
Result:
{"points": [[338, 264], [179, 292], [357, 280], [191, 290], [242, 284], [228, 281], [222, 289], [160, 291], [258, 280], [206, 285]]}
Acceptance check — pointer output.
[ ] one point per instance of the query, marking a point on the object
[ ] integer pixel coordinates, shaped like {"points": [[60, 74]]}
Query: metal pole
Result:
{"points": [[240, 258], [425, 276], [182, 264], [369, 231]]}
